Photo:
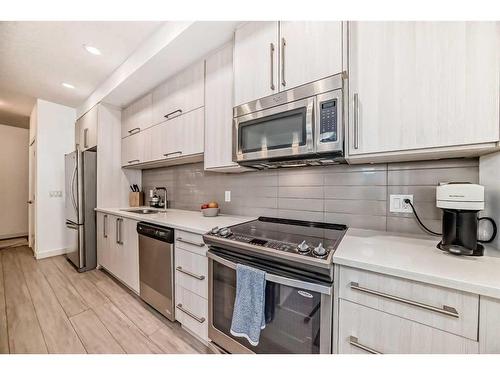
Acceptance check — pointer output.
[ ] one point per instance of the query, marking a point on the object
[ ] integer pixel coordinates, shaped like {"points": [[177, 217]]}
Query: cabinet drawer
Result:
{"points": [[446, 309], [191, 311], [365, 330], [191, 242], [191, 272]]}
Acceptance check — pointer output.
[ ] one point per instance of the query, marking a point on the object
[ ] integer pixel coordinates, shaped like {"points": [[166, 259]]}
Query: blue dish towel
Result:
{"points": [[248, 313]]}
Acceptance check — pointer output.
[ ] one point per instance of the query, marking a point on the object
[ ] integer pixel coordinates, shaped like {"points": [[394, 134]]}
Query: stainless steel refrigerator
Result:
{"points": [[80, 201]]}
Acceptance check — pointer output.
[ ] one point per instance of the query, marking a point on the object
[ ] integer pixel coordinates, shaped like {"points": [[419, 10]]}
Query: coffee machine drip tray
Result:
{"points": [[461, 250]]}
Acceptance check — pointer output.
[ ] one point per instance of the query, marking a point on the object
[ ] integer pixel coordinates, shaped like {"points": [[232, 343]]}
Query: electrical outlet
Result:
{"points": [[397, 203], [227, 196]]}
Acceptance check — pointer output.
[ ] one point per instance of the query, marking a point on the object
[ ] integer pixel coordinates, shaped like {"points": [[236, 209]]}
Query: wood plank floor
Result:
{"points": [[48, 307]]}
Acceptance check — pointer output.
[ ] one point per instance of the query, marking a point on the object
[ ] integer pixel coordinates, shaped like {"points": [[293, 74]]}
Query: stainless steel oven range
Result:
{"points": [[301, 126], [297, 258]]}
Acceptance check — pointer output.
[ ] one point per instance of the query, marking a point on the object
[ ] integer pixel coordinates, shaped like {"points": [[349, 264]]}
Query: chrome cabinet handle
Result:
{"points": [[199, 277], [134, 130], [105, 226], [271, 50], [133, 161], [179, 111], [354, 342], [283, 45], [85, 131], [356, 121], [119, 231], [187, 312], [445, 310], [172, 153], [180, 239]]}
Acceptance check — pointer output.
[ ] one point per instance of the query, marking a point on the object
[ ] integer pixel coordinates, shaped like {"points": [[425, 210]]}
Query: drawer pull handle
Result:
{"points": [[172, 153], [445, 310], [199, 277], [189, 313], [134, 130], [133, 161], [180, 239], [179, 111], [354, 342]]}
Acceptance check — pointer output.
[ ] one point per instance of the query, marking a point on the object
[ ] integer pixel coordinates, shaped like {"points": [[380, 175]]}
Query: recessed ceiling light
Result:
{"points": [[91, 49], [68, 85]]}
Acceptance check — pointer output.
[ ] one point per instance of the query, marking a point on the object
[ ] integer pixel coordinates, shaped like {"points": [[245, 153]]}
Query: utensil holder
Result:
{"points": [[136, 199]]}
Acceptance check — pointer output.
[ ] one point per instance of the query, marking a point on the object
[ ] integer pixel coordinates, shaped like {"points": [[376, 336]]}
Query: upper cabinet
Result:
{"points": [[219, 112], [180, 94], [137, 116], [86, 130], [275, 56], [416, 87], [309, 51]]}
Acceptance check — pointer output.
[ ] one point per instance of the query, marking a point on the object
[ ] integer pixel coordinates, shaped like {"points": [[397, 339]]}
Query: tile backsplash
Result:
{"points": [[355, 195]]}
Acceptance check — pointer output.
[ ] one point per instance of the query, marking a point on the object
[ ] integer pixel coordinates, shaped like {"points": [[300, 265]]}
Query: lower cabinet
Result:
{"points": [[118, 248], [489, 325], [365, 330], [191, 283]]}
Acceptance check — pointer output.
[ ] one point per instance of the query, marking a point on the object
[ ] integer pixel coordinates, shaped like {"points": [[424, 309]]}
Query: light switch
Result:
{"points": [[227, 196]]}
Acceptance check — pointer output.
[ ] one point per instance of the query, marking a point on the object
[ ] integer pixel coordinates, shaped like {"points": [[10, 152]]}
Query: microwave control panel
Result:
{"points": [[328, 121]]}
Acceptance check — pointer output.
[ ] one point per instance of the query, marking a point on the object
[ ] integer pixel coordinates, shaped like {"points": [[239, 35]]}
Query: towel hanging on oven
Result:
{"points": [[249, 305]]}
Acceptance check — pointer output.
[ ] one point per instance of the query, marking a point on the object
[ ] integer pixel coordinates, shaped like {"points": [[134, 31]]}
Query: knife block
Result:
{"points": [[136, 199]]}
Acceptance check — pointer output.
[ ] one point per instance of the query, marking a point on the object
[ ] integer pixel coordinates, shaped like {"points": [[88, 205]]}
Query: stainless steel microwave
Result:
{"points": [[301, 126]]}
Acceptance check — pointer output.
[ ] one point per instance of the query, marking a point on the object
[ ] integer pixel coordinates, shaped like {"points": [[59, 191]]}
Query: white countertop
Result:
{"points": [[417, 258], [190, 221]]}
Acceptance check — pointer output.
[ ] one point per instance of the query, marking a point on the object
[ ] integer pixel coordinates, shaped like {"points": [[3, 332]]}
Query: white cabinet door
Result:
{"points": [[127, 253], [137, 116], [189, 133], [489, 325], [104, 236], [420, 85], [255, 61], [309, 51], [180, 94], [219, 111], [364, 330], [134, 150], [87, 126]]}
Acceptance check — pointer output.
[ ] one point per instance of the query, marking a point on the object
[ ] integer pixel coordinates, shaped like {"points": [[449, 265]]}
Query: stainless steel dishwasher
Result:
{"points": [[156, 267]]}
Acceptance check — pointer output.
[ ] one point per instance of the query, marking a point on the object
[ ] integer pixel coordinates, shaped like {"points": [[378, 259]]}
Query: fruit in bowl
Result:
{"points": [[210, 209]]}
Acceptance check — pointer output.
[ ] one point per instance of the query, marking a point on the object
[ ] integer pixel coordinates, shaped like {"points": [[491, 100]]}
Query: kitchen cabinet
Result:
{"points": [[118, 248], [421, 89], [137, 116], [309, 51], [489, 325], [86, 129], [270, 57], [255, 61], [365, 330], [180, 94], [219, 112], [134, 150]]}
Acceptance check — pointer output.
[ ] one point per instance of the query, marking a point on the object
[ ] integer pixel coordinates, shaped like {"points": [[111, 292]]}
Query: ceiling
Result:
{"points": [[37, 57]]}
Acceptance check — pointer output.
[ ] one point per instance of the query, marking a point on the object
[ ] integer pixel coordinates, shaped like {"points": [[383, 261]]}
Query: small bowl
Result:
{"points": [[210, 212]]}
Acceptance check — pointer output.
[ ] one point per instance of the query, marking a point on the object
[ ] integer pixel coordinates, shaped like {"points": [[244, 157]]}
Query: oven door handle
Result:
{"points": [[294, 283]]}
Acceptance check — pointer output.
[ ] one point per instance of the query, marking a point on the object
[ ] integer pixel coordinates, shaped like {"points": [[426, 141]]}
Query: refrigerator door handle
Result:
{"points": [[73, 199]]}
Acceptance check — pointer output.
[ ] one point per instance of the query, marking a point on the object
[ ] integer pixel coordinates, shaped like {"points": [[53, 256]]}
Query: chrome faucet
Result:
{"points": [[165, 201]]}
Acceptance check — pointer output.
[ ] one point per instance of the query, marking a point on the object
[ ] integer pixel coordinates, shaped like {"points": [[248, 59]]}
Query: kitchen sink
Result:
{"points": [[143, 211]]}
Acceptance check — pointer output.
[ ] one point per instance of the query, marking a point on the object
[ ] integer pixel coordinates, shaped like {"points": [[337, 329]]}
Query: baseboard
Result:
{"points": [[14, 235], [51, 253]]}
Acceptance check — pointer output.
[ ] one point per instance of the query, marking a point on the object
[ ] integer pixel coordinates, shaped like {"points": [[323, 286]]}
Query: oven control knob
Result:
{"points": [[320, 251], [303, 247], [215, 230], [225, 232]]}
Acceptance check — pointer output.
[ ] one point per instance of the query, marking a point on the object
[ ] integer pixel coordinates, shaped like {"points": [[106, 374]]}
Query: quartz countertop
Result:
{"points": [[416, 257], [190, 221]]}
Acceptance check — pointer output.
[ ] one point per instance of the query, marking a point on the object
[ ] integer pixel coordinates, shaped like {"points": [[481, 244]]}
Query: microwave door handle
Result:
{"points": [[294, 283]]}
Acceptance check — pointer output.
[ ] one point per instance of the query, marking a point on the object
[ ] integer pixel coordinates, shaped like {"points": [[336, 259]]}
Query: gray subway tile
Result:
{"points": [[300, 204], [356, 192], [432, 176], [357, 221], [368, 178], [361, 207]]}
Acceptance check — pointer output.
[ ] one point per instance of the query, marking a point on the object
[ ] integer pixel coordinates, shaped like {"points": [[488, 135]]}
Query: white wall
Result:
{"points": [[13, 181], [489, 167], [55, 137]]}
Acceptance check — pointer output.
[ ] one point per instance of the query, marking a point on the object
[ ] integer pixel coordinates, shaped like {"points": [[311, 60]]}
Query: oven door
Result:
{"points": [[298, 313], [285, 131]]}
